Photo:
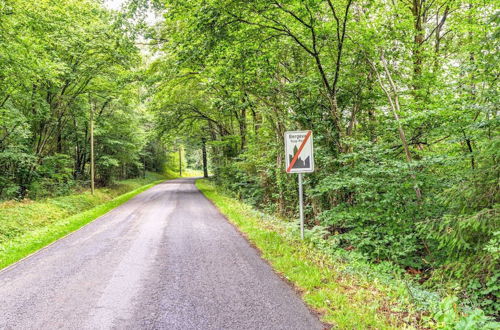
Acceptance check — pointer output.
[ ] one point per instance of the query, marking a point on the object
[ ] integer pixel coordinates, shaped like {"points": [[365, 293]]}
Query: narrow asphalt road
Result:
{"points": [[166, 259]]}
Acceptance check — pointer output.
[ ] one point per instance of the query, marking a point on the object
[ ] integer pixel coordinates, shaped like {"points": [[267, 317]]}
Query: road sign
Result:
{"points": [[299, 152], [299, 155]]}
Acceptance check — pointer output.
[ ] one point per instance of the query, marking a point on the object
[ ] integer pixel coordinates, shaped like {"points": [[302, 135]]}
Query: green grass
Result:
{"points": [[192, 173], [27, 226], [186, 173], [345, 299]]}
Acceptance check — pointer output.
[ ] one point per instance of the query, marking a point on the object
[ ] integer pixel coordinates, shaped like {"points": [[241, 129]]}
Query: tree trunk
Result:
{"points": [[204, 155], [243, 128], [92, 150], [395, 108], [418, 42]]}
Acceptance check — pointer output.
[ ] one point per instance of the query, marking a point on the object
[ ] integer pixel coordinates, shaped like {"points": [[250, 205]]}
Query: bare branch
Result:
{"points": [[291, 13], [281, 28], [340, 46]]}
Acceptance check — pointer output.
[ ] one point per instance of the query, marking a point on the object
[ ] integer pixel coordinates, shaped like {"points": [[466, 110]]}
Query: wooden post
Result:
{"points": [[204, 153], [92, 188], [180, 162]]}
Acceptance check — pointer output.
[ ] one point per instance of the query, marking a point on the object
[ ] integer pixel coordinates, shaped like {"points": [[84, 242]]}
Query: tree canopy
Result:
{"points": [[60, 60]]}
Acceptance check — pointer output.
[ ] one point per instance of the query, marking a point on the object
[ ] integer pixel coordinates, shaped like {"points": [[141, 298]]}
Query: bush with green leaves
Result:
{"points": [[378, 212]]}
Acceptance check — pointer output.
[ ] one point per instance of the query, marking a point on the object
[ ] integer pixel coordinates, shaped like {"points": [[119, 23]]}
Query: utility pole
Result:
{"points": [[92, 149], [204, 154], [180, 161]]}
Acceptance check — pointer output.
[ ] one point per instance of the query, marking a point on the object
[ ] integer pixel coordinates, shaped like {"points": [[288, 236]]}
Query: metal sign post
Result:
{"points": [[299, 154], [301, 208]]}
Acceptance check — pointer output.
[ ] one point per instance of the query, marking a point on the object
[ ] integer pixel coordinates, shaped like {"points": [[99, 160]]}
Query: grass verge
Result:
{"points": [[28, 226], [345, 299], [347, 290]]}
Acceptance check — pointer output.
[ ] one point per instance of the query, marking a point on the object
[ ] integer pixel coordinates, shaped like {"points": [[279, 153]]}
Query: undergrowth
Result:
{"points": [[348, 291]]}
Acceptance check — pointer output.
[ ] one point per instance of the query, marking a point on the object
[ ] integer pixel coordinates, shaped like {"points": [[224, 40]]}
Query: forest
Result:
{"points": [[401, 95], [61, 62]]}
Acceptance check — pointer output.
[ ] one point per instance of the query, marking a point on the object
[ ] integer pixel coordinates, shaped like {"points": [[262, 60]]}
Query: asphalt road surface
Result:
{"points": [[166, 259]]}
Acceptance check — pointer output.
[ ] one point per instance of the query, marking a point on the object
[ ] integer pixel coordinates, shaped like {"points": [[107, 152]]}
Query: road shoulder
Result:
{"points": [[33, 241], [341, 299]]}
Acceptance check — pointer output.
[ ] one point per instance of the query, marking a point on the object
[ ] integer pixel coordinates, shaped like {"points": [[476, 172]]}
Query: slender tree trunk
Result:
{"points": [[395, 108], [180, 162], [438, 37], [417, 7], [92, 149], [243, 128], [204, 155], [59, 142]]}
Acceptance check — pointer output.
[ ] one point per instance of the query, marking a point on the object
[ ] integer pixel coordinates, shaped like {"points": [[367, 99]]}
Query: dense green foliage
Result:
{"points": [[348, 291], [401, 95], [60, 60]]}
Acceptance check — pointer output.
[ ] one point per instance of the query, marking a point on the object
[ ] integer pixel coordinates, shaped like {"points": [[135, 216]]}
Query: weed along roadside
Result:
{"points": [[343, 300], [347, 291], [26, 227]]}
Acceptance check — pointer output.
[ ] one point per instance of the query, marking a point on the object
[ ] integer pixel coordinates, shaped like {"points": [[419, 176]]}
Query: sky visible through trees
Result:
{"points": [[114, 4]]}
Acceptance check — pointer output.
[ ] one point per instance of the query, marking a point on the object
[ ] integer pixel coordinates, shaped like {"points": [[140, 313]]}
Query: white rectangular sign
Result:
{"points": [[299, 152]]}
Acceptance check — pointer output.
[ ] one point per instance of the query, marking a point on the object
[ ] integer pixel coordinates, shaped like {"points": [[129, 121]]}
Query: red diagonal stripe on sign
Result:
{"points": [[294, 160]]}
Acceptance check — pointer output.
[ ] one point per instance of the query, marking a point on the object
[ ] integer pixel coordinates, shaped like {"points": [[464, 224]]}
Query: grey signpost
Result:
{"points": [[301, 207], [299, 154]]}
